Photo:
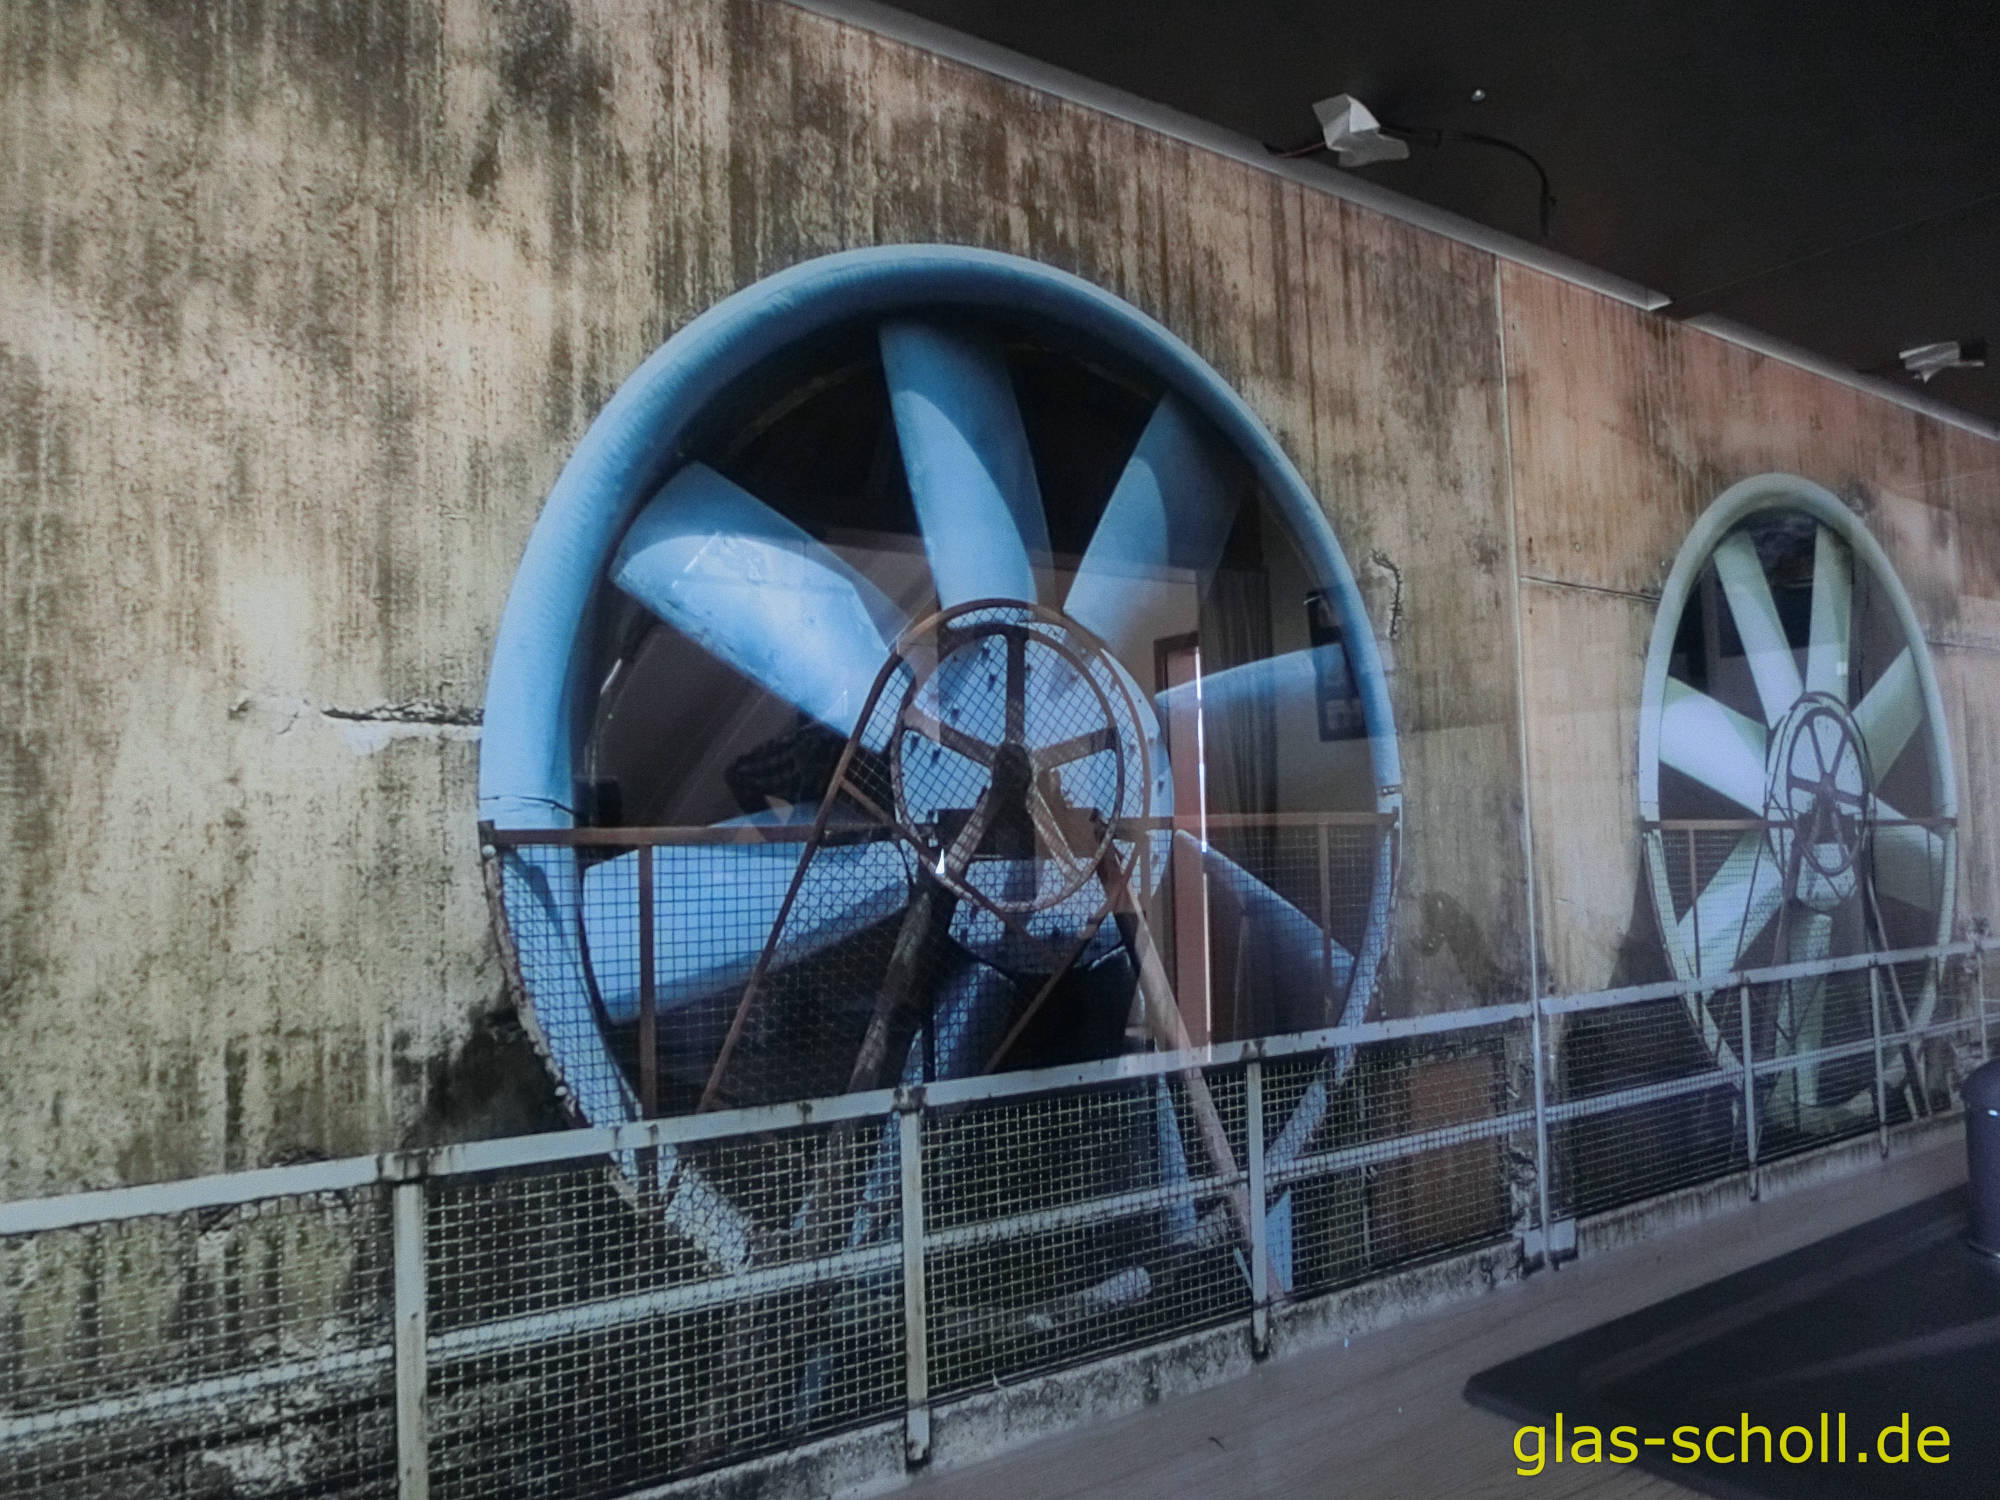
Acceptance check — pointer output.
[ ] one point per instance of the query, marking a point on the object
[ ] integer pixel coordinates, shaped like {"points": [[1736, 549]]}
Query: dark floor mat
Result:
{"points": [[1897, 1316]]}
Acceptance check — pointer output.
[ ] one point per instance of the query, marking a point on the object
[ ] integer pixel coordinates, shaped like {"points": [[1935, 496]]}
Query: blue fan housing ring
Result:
{"points": [[538, 686]]}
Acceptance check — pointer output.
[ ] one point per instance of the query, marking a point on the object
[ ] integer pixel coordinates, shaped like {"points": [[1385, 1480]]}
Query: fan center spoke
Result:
{"points": [[1815, 800], [954, 739]]}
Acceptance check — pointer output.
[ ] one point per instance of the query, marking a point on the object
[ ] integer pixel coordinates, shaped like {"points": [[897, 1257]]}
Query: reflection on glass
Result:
{"points": [[801, 610]]}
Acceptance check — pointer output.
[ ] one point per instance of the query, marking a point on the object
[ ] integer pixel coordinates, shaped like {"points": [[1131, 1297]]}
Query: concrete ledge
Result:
{"points": [[866, 1461]]}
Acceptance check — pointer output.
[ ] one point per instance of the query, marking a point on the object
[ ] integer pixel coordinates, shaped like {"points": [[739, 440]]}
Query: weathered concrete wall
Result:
{"points": [[1623, 428], [302, 307]]}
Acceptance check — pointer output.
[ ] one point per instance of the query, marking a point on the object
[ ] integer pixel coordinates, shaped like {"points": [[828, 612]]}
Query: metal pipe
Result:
{"points": [[1326, 916], [1881, 1082], [1670, 989], [1347, 1158], [360, 1366], [531, 1329], [1979, 994], [1535, 1042], [1749, 1093], [225, 1190]]}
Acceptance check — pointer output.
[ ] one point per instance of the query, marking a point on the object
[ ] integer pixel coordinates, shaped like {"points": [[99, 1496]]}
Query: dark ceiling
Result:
{"points": [[1829, 174]]}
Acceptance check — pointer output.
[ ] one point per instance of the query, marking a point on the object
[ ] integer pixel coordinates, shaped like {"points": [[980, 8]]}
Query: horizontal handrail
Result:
{"points": [[1249, 1166], [1707, 984], [232, 1189], [1767, 825]]}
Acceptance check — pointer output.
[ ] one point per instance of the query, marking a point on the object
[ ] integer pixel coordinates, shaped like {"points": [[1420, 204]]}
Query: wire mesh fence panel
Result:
{"points": [[1640, 1105], [597, 1328], [790, 961], [1724, 886], [1063, 1226], [670, 1299], [239, 1351], [1394, 1153], [541, 888], [1325, 867], [1812, 1040], [1931, 1035], [719, 898]]}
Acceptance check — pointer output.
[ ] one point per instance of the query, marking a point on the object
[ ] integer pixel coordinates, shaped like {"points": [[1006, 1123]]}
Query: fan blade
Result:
{"points": [[1169, 513], [971, 1010], [714, 906], [1832, 616], [1278, 1241], [1179, 1213], [538, 883], [1909, 860], [757, 592], [970, 1015], [1181, 1222], [1713, 743], [1288, 943], [1757, 623], [1801, 1016], [1288, 688], [1889, 713], [1809, 938], [971, 475], [1734, 908]]}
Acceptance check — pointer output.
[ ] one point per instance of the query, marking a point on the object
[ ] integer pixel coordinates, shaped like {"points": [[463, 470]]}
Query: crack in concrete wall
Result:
{"points": [[414, 711]]}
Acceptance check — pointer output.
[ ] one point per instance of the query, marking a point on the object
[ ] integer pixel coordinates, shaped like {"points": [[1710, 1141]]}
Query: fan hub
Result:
{"points": [[1013, 772], [1816, 800], [1016, 754]]}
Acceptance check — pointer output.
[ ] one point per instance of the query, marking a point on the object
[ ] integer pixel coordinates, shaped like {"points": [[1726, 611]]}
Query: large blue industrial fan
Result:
{"points": [[949, 661], [1797, 796]]}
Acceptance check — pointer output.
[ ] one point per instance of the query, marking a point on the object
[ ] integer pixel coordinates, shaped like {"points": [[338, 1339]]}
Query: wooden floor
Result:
{"points": [[1385, 1415]]}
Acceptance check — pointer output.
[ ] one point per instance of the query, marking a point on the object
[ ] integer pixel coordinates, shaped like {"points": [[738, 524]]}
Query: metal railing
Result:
{"points": [[598, 1312], [586, 911]]}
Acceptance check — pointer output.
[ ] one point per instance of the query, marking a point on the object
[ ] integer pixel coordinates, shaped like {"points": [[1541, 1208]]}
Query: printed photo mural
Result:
{"points": [[959, 676]]}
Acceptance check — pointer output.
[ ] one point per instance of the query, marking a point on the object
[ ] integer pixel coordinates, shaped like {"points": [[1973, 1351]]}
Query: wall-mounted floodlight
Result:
{"points": [[1354, 135], [1925, 360], [1349, 129]]}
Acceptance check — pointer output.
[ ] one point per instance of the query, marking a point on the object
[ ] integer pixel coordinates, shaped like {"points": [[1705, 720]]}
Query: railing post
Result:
{"points": [[916, 1305], [1260, 1253], [412, 1321], [1881, 1082], [1749, 1094], [1536, 1043], [649, 1035], [1979, 996]]}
